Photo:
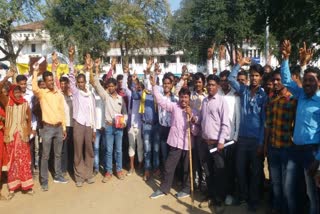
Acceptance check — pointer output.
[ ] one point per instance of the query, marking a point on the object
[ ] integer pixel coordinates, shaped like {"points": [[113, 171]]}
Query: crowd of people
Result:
{"points": [[87, 122]]}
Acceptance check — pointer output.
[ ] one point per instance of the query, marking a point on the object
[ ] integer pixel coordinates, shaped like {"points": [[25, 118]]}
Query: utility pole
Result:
{"points": [[266, 53]]}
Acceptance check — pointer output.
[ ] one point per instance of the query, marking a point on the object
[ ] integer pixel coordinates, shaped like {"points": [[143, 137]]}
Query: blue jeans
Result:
{"points": [[299, 161], [113, 136], [96, 149], [151, 143], [246, 157], [278, 160]]}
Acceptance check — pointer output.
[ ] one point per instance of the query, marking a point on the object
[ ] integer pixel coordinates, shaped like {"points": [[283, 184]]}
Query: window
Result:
{"points": [[33, 48], [162, 59]]}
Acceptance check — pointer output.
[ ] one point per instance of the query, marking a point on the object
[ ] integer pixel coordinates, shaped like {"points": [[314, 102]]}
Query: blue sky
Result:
{"points": [[174, 4]]}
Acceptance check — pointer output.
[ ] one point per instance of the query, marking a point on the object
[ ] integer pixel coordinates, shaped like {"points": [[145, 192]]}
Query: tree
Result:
{"points": [[200, 24], [138, 23], [12, 12], [295, 20], [78, 22]]}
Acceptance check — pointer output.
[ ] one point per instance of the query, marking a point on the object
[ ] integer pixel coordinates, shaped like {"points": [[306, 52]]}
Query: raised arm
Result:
{"points": [[234, 72], [285, 71], [112, 69], [4, 98], [72, 79], [135, 94], [35, 88], [166, 105], [209, 60], [96, 84], [305, 56]]}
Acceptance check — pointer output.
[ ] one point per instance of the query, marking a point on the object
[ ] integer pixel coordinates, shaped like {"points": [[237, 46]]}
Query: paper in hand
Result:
{"points": [[225, 145]]}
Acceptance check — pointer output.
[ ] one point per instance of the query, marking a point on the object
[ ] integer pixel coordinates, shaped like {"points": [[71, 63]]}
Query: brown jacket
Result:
{"points": [[18, 118]]}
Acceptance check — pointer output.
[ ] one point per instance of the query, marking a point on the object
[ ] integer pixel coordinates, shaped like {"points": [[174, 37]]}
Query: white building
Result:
{"points": [[37, 43]]}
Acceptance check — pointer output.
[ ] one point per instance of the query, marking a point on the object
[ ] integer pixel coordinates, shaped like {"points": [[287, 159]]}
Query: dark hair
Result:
{"points": [[104, 77], [111, 81], [276, 72], [256, 68], [17, 88], [64, 79], [169, 74], [119, 77], [214, 78], [40, 81], [296, 70], [224, 73], [243, 73], [314, 70], [268, 66], [166, 77], [46, 74], [79, 76], [20, 78], [184, 91], [267, 78], [198, 76]]}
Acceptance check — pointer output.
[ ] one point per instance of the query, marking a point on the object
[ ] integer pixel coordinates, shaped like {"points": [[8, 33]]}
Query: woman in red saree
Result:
{"points": [[3, 151], [16, 138], [3, 102]]}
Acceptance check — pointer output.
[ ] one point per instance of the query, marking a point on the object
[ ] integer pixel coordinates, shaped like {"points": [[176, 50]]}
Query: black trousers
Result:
{"points": [[215, 169], [174, 156]]}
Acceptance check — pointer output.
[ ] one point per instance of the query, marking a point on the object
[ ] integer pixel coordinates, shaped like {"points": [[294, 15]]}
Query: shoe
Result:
{"points": [[130, 172], [120, 175], [2, 198], [79, 184], [61, 180], [10, 195], [219, 208], [229, 200], [107, 177], [44, 187], [252, 207], [157, 194], [30, 192], [95, 172], [157, 173], [181, 195], [146, 176], [90, 181], [205, 203], [238, 202]]}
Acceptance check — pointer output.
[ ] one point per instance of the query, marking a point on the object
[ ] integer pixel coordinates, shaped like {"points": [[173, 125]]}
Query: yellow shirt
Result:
{"points": [[51, 102]]}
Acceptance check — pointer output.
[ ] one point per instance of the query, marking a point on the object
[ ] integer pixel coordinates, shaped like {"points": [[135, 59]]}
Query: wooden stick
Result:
{"points": [[190, 161]]}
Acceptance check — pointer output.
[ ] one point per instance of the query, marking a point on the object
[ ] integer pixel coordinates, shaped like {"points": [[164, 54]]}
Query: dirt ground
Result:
{"points": [[127, 196]]}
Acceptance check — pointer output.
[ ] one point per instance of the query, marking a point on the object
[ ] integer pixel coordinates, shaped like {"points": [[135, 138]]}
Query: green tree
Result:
{"points": [[199, 24], [138, 23], [78, 22], [295, 20], [13, 12]]}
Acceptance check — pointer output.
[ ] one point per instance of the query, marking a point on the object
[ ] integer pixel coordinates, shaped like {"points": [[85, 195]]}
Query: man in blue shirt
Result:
{"points": [[306, 136], [250, 141]]}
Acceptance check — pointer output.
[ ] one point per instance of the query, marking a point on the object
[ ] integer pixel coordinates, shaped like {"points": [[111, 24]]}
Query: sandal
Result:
{"points": [[30, 192], [2, 198], [10, 195]]}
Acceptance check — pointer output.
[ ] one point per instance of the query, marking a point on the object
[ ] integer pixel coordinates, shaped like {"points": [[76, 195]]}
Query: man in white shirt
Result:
{"points": [[234, 117]]}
